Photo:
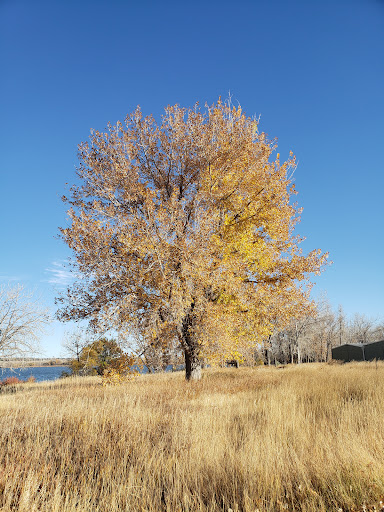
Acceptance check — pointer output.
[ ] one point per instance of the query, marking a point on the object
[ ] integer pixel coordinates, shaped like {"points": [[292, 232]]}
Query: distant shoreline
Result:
{"points": [[36, 366], [30, 363]]}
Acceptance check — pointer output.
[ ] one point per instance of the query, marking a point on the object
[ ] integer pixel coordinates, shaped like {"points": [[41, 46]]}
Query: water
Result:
{"points": [[40, 373]]}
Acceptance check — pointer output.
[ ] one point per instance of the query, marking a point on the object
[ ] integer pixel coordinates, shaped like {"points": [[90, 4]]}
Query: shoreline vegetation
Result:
{"points": [[33, 362], [299, 438]]}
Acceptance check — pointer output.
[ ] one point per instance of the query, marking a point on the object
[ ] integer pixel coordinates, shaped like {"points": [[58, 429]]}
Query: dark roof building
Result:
{"points": [[348, 352], [359, 351], [374, 350]]}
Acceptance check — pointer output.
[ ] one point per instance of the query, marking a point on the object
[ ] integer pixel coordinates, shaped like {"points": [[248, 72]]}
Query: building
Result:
{"points": [[359, 351]]}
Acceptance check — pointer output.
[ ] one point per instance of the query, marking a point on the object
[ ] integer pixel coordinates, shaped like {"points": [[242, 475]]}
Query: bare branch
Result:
{"points": [[22, 322]]}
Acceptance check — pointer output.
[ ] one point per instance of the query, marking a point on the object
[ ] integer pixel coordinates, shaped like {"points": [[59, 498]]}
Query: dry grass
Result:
{"points": [[304, 438]]}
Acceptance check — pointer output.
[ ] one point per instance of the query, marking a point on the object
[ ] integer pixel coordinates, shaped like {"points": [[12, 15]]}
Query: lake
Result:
{"points": [[40, 373]]}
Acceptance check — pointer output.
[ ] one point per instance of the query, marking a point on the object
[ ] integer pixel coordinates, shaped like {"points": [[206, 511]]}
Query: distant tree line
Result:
{"points": [[312, 337], [307, 339]]}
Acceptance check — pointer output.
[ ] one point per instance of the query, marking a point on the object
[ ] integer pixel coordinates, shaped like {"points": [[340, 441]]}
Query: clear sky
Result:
{"points": [[312, 70]]}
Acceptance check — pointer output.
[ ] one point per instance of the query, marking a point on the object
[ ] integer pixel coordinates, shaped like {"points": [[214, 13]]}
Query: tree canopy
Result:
{"points": [[97, 356], [183, 233]]}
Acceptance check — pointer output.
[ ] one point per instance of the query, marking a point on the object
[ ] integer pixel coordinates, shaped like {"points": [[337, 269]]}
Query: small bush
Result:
{"points": [[121, 369], [10, 381], [113, 376]]}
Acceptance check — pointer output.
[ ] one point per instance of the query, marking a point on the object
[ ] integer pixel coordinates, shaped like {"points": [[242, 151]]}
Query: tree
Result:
{"points": [[22, 321], [184, 231], [361, 329], [74, 342], [97, 356]]}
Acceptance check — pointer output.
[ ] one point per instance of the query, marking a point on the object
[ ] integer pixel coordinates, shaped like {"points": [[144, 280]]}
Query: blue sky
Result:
{"points": [[312, 71]]}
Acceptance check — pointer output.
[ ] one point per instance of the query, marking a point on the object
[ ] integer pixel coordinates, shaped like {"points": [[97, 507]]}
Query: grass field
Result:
{"points": [[307, 438]]}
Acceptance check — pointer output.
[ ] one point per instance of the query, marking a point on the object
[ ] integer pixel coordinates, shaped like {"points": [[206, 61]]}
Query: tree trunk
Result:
{"points": [[191, 347], [192, 365]]}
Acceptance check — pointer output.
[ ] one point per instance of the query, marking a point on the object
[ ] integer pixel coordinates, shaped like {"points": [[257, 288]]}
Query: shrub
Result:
{"points": [[120, 370], [10, 381], [112, 377]]}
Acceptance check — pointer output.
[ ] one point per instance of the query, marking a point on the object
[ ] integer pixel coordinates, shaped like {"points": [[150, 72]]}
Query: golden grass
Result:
{"points": [[306, 438]]}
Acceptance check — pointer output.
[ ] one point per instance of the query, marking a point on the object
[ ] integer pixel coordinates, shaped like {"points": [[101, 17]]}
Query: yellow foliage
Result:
{"points": [[112, 377]]}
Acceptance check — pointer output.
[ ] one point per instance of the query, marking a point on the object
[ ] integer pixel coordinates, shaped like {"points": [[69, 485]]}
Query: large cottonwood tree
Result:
{"points": [[183, 231]]}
